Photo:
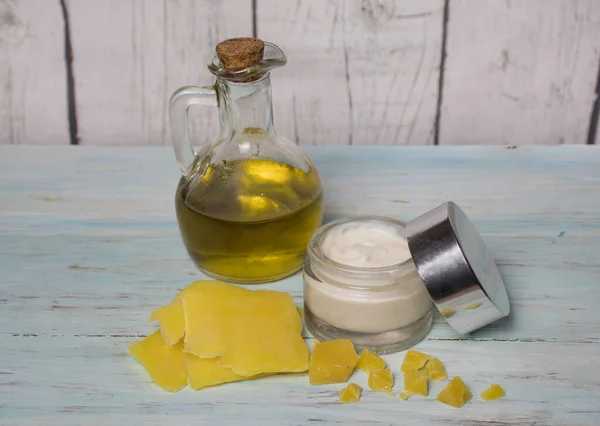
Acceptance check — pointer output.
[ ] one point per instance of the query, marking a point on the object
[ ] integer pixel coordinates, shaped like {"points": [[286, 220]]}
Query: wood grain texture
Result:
{"points": [[520, 72], [359, 73], [131, 55], [597, 140], [33, 96], [105, 385], [89, 246]]}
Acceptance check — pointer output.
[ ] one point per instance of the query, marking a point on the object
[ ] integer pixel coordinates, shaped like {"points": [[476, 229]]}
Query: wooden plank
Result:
{"points": [[359, 73], [520, 72], [33, 94], [130, 55], [125, 268]]}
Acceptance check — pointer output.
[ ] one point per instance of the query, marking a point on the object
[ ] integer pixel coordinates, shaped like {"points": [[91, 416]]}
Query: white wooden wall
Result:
{"points": [[360, 72]]}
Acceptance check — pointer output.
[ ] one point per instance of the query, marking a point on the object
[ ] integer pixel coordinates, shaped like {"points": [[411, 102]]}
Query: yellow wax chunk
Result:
{"points": [[435, 369], [473, 306], [415, 383], [448, 312], [332, 362], [368, 361], [171, 321], [455, 394], [381, 380], [204, 372], [171, 317], [493, 392], [206, 318], [164, 363], [350, 393], [413, 361], [405, 395], [250, 331]]}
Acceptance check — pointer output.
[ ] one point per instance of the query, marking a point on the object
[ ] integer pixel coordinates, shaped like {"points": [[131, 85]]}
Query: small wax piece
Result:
{"points": [[171, 321], [368, 361], [204, 372], [435, 369], [413, 361], [164, 363], [448, 312], [493, 392], [381, 380], [350, 393], [473, 306], [455, 394], [332, 362], [415, 383], [405, 395]]}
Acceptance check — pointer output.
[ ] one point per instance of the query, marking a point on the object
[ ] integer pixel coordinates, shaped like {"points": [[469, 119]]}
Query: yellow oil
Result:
{"points": [[249, 220]]}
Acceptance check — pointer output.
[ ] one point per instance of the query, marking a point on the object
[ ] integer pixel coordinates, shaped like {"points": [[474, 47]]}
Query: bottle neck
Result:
{"points": [[245, 106]]}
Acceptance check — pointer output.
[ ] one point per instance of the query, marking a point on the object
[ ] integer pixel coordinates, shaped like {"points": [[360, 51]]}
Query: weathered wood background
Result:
{"points": [[369, 72]]}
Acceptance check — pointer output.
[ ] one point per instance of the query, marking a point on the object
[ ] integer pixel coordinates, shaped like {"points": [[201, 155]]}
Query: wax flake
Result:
{"points": [[415, 383], [456, 393], [350, 393], [435, 369], [414, 360], [368, 361], [213, 333], [171, 321], [381, 380], [332, 361], [205, 372], [250, 331], [171, 317], [164, 363], [492, 393]]}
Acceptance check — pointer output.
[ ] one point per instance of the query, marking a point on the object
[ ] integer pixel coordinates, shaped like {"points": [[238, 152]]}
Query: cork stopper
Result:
{"points": [[240, 53]]}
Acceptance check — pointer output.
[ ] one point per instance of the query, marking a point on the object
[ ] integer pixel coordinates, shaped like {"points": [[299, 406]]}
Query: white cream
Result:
{"points": [[359, 299], [365, 244]]}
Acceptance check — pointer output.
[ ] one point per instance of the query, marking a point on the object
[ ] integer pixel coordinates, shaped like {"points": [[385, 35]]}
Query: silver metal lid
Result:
{"points": [[457, 268]]}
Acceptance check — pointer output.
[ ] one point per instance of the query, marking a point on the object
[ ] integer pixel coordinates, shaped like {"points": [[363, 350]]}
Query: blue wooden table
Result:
{"points": [[89, 246]]}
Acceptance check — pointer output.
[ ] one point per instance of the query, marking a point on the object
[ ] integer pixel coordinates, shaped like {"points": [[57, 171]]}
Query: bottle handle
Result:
{"points": [[179, 104]]}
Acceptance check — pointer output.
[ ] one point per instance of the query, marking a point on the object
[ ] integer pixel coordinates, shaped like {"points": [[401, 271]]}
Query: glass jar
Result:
{"points": [[381, 305], [375, 280]]}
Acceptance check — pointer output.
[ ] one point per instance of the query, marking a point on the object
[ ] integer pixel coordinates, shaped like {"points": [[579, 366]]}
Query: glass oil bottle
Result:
{"points": [[248, 204]]}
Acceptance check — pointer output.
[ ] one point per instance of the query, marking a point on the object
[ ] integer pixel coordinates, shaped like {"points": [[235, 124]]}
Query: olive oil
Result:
{"points": [[249, 220]]}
